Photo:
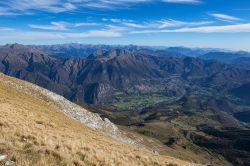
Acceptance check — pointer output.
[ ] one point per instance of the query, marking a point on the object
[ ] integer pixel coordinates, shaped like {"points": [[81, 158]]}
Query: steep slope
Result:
{"points": [[35, 131]]}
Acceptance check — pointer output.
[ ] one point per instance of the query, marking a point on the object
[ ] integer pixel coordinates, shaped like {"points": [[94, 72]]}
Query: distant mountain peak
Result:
{"points": [[21, 48], [15, 46], [102, 54]]}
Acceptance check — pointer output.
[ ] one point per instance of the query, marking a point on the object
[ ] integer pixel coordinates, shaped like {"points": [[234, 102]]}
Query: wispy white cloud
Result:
{"points": [[83, 24], [113, 31], [122, 3], [134, 25], [176, 23], [224, 17], [238, 28], [159, 24], [6, 12], [62, 26], [94, 33], [41, 35], [16, 7], [23, 6], [116, 28], [125, 23], [224, 29], [116, 20], [57, 30], [183, 1], [111, 4], [6, 29], [56, 26]]}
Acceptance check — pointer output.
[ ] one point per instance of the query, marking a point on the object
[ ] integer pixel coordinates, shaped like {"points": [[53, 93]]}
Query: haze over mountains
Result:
{"points": [[187, 99]]}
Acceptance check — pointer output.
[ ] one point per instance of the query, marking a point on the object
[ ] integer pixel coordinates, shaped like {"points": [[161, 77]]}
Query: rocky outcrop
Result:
{"points": [[3, 159]]}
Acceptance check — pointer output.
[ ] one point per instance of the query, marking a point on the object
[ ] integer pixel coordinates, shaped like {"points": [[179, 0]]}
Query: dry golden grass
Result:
{"points": [[33, 133]]}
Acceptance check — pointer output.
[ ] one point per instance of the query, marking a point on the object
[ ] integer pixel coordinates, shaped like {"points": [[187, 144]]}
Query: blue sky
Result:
{"points": [[191, 23]]}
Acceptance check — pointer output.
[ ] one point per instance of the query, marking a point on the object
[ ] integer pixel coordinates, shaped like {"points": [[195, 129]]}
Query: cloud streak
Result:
{"points": [[183, 1], [158, 24], [26, 6], [224, 17], [29, 35], [22, 7], [176, 23], [62, 26], [6, 29], [56, 26], [238, 28]]}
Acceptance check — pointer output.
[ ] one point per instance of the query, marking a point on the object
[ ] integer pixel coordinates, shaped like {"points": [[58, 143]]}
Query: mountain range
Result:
{"points": [[93, 79]]}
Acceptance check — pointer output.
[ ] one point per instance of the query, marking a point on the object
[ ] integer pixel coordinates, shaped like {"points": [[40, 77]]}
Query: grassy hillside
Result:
{"points": [[35, 133]]}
